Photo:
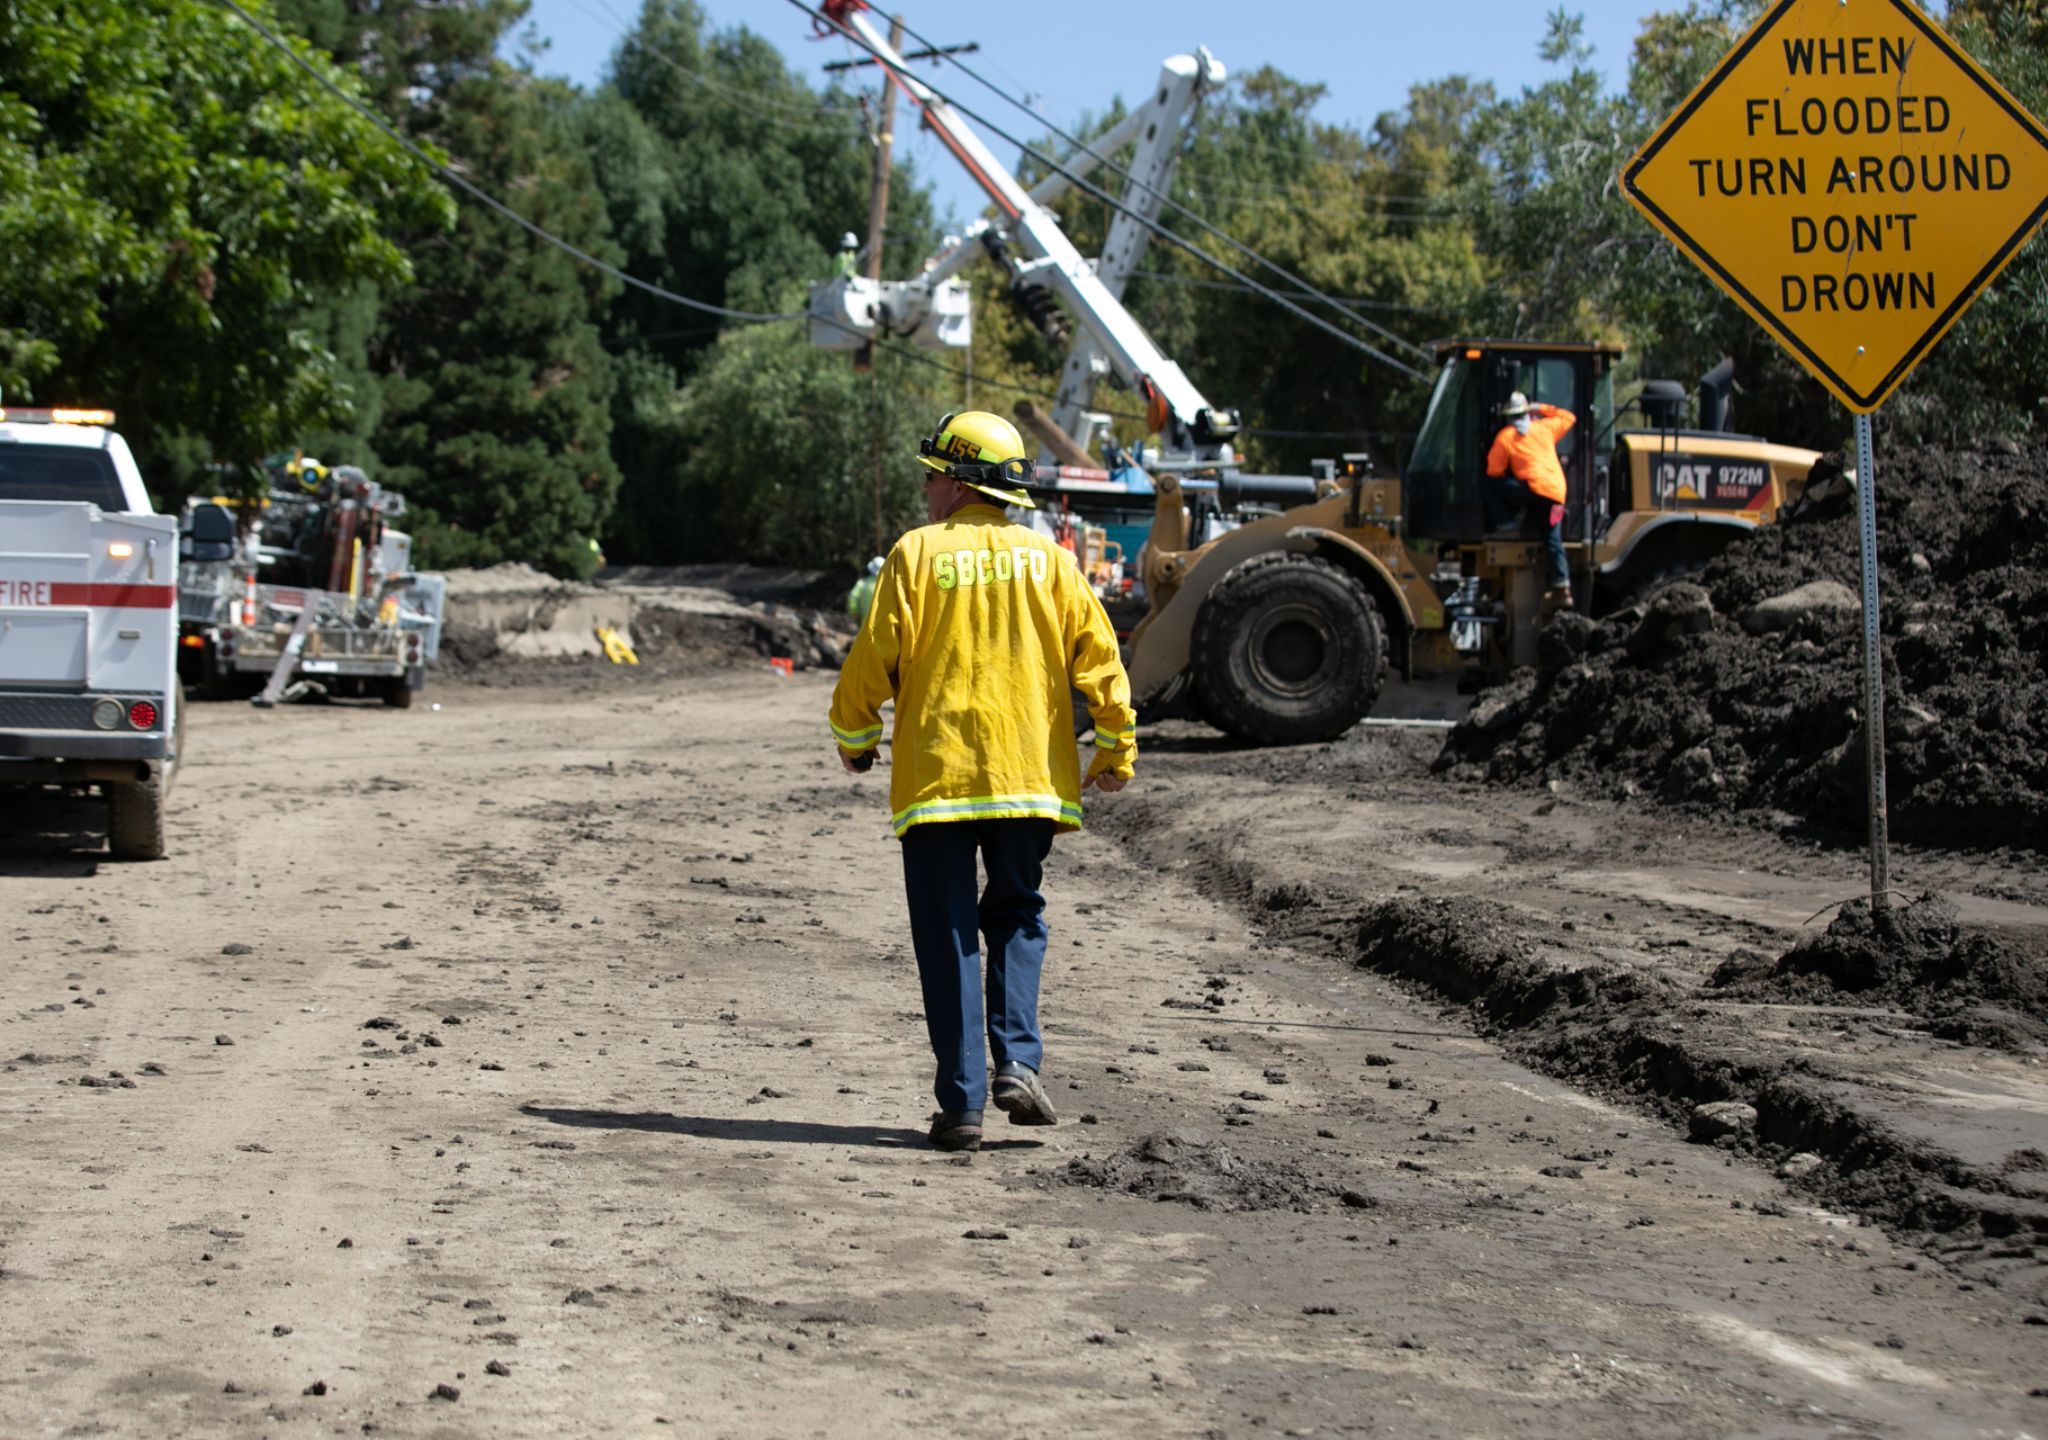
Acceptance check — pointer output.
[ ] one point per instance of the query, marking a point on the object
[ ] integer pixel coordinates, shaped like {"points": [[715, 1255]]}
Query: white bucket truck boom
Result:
{"points": [[1025, 238]]}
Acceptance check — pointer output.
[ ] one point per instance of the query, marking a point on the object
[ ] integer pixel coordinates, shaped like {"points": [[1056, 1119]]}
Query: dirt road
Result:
{"points": [[556, 1069]]}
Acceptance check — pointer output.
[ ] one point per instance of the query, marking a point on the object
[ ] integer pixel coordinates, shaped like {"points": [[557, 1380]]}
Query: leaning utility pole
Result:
{"points": [[878, 219], [885, 142]]}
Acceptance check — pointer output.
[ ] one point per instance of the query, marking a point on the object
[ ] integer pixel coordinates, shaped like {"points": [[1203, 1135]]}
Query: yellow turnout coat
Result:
{"points": [[980, 630]]}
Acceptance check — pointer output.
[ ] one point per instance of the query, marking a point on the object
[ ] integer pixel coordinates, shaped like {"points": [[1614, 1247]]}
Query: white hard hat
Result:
{"points": [[849, 241], [1517, 406], [875, 566]]}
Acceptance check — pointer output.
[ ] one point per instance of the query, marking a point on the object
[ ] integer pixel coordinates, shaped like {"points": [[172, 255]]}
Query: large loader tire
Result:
{"points": [[135, 816], [1288, 650]]}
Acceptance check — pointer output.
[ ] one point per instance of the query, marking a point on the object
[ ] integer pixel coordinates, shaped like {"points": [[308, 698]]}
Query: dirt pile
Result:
{"points": [[1204, 1174], [501, 620], [1962, 984], [1743, 692]]}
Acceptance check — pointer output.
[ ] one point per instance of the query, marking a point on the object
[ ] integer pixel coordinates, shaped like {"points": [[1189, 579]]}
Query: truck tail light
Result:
{"points": [[106, 714], [142, 715]]}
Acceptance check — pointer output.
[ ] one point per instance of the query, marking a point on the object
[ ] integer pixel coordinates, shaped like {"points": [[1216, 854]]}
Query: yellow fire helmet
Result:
{"points": [[983, 451]]}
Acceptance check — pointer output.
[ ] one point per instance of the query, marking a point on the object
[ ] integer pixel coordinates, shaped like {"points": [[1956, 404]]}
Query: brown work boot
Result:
{"points": [[1017, 1093], [1556, 599], [956, 1130]]}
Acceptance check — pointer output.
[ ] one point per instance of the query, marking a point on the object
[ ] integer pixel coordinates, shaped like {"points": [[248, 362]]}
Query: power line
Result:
{"points": [[1331, 206], [450, 177], [1215, 230], [1196, 283], [1208, 183], [1083, 184]]}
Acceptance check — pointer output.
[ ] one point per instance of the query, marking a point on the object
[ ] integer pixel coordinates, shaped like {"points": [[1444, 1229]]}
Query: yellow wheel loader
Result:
{"points": [[1283, 629]]}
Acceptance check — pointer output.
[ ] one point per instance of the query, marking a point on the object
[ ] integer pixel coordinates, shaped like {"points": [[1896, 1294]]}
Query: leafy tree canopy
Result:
{"points": [[172, 191]]}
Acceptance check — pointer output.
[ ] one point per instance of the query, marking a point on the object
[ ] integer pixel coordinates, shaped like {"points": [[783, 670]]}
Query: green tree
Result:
{"points": [[1355, 216], [497, 391], [728, 179], [785, 446], [1570, 259], [482, 390], [173, 194]]}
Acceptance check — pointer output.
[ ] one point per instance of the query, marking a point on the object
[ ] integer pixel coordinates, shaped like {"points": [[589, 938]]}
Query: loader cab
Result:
{"points": [[1440, 488]]}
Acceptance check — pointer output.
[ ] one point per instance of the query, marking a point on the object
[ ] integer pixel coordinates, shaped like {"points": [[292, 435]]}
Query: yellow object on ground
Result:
{"points": [[978, 628], [616, 649]]}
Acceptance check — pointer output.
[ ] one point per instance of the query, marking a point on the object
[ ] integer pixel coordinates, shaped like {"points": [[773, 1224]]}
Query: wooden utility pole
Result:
{"points": [[878, 220], [885, 142]]}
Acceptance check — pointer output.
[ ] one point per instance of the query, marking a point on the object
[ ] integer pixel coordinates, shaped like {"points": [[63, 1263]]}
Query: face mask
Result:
{"points": [[1522, 424]]}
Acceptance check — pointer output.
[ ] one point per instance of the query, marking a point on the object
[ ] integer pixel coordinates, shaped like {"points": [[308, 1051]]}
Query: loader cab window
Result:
{"points": [[1550, 381], [1440, 489], [60, 472]]}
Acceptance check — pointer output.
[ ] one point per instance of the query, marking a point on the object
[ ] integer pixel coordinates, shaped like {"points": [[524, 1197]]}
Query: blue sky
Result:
{"points": [[1076, 55]]}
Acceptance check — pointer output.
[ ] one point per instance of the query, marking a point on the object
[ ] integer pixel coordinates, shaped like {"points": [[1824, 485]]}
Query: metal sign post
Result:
{"points": [[1873, 669], [1853, 181]]}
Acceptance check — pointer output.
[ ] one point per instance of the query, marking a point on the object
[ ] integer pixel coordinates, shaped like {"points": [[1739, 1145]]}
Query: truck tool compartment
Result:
{"points": [[88, 622]]}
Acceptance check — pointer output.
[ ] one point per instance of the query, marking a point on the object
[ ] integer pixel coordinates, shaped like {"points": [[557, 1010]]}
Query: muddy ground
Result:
{"points": [[550, 1064]]}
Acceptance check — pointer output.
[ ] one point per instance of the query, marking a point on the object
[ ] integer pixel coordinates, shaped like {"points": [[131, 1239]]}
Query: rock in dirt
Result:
{"points": [[1722, 1118], [1208, 1176], [1775, 700], [1817, 604]]}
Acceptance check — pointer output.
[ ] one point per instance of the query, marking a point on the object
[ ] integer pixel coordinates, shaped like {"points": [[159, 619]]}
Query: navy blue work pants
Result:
{"points": [[1505, 496], [947, 923]]}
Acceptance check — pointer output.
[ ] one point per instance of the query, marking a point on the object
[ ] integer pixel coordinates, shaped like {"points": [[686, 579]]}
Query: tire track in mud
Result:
{"points": [[1582, 999]]}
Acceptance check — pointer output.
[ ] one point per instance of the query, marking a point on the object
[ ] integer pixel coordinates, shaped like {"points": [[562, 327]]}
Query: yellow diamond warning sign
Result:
{"points": [[1853, 180]]}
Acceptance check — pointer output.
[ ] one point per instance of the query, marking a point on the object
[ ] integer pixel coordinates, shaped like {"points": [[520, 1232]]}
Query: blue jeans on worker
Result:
{"points": [[1506, 497], [947, 923]]}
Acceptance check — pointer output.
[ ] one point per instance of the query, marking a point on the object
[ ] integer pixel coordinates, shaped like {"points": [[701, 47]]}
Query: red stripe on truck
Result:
{"points": [[114, 597]]}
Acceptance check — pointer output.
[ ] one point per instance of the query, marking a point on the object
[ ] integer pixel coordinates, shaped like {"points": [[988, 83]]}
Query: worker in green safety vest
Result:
{"points": [[862, 596]]}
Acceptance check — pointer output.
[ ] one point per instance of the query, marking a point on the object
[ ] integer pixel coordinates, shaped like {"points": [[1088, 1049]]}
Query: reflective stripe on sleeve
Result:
{"points": [[1115, 739], [989, 807], [858, 739]]}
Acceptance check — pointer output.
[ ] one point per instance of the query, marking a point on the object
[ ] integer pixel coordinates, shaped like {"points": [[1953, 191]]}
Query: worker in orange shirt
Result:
{"points": [[1524, 474]]}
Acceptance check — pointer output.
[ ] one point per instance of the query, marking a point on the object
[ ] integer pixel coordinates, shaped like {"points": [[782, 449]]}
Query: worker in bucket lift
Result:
{"points": [[1524, 476], [981, 631], [846, 264], [862, 597]]}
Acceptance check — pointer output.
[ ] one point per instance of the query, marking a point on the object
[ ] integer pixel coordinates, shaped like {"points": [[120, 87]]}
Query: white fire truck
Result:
{"points": [[88, 622]]}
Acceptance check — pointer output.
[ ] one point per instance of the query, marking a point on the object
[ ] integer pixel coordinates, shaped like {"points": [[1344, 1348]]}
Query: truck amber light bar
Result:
{"points": [[57, 416]]}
